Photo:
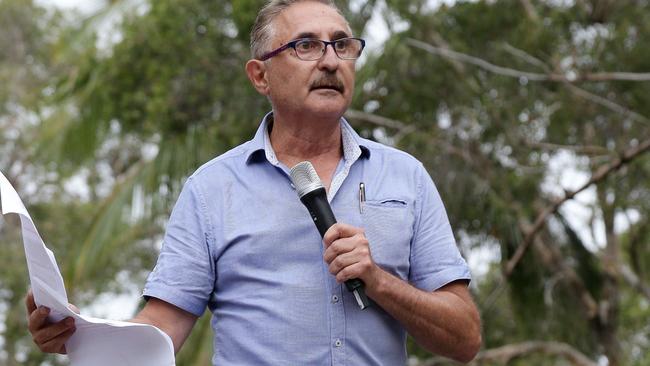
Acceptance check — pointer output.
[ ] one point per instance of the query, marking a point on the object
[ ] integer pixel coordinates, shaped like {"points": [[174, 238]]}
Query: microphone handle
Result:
{"points": [[321, 212]]}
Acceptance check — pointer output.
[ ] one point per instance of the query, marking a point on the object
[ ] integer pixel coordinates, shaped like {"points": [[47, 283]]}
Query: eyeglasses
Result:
{"points": [[309, 49]]}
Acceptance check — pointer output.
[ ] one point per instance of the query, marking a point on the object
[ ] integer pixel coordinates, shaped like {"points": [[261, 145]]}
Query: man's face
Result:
{"points": [[323, 87]]}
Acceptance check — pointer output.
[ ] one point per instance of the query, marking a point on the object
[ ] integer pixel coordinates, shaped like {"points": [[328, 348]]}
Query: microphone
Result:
{"points": [[312, 194]]}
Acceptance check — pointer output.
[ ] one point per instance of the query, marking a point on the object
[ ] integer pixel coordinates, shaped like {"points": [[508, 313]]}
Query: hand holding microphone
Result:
{"points": [[341, 252]]}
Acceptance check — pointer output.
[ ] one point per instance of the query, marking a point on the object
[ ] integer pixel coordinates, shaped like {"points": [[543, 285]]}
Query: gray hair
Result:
{"points": [[263, 30]]}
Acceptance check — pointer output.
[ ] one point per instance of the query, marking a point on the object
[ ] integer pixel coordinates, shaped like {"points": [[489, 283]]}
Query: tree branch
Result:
{"points": [[505, 354], [404, 129], [554, 260], [634, 281], [530, 10], [592, 77], [441, 43], [552, 77], [376, 120], [590, 150], [600, 174], [506, 71], [606, 103], [525, 56], [616, 75]]}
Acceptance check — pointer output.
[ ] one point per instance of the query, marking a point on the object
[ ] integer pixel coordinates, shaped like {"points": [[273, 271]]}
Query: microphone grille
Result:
{"points": [[305, 178]]}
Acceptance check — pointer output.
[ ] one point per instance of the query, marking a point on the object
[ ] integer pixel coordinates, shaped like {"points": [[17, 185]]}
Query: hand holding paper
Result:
{"points": [[96, 342]]}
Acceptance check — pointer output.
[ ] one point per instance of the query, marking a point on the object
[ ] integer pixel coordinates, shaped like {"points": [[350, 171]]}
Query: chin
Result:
{"points": [[328, 111], [329, 107]]}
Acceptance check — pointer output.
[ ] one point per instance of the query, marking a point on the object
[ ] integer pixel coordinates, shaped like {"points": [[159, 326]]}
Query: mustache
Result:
{"points": [[328, 81]]}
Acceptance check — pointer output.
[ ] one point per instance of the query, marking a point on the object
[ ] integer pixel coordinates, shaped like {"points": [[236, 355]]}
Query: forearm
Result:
{"points": [[444, 322], [175, 322]]}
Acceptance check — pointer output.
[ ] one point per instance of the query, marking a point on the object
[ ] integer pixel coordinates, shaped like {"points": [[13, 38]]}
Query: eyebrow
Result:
{"points": [[337, 35]]}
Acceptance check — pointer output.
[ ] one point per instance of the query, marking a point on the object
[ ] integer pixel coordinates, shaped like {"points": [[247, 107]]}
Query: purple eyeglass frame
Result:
{"points": [[292, 44]]}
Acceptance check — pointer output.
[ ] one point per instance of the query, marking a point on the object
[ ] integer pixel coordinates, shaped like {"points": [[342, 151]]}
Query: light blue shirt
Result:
{"points": [[240, 242]]}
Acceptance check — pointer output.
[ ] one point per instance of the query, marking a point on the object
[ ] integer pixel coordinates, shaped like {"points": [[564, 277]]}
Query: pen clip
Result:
{"points": [[362, 196]]}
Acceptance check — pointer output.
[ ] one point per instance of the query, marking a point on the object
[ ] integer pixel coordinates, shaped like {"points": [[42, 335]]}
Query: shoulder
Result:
{"points": [[391, 158], [222, 165]]}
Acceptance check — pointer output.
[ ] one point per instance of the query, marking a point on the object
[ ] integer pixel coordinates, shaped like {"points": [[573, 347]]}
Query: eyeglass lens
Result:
{"points": [[313, 49]]}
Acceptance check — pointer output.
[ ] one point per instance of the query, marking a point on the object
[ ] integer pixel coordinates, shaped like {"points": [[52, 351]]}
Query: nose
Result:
{"points": [[329, 61]]}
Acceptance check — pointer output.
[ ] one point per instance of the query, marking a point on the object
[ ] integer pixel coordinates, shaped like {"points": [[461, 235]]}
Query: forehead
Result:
{"points": [[309, 17]]}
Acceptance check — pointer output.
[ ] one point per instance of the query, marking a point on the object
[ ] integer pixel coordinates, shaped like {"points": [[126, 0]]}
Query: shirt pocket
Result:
{"points": [[388, 224]]}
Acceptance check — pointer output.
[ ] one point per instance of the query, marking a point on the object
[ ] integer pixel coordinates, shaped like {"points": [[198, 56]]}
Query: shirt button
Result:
{"points": [[338, 343], [335, 299]]}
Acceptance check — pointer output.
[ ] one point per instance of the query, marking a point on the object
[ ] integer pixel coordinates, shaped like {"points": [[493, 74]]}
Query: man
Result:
{"points": [[240, 242]]}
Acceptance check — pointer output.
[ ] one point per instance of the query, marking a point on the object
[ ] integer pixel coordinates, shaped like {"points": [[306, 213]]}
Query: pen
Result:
{"points": [[362, 196]]}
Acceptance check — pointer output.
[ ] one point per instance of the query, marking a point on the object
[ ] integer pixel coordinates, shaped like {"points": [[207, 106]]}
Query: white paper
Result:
{"points": [[96, 342]]}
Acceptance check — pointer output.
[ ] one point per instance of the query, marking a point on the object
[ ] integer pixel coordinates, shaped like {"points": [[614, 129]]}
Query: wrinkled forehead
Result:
{"points": [[309, 19]]}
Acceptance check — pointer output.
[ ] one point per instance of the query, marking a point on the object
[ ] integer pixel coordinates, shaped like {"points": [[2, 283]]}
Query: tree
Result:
{"points": [[497, 92], [490, 96]]}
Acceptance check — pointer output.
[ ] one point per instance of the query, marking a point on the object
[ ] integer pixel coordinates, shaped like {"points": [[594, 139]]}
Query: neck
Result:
{"points": [[298, 139], [313, 139]]}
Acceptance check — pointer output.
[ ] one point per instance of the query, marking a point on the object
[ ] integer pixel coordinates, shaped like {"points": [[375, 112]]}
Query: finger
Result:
{"points": [[29, 302], [344, 245], [57, 345], [348, 273], [363, 267], [37, 318], [339, 247], [342, 261], [339, 230], [53, 331]]}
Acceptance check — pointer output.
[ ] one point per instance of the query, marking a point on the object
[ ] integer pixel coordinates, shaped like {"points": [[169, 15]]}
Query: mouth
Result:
{"points": [[336, 88]]}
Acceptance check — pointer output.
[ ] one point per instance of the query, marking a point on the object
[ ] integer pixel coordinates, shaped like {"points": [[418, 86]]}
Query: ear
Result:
{"points": [[256, 71]]}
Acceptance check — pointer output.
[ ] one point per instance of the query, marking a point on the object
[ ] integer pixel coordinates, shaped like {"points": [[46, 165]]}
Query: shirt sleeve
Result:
{"points": [[435, 258], [184, 274]]}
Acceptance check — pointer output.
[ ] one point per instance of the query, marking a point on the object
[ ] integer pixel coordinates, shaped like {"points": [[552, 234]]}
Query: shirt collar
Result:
{"points": [[353, 144]]}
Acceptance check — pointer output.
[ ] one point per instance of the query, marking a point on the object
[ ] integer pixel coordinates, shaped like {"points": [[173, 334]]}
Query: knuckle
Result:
{"points": [[364, 252], [37, 339], [327, 254], [363, 240], [336, 266], [333, 271], [332, 268], [345, 274], [32, 323], [327, 239], [367, 264], [340, 277]]}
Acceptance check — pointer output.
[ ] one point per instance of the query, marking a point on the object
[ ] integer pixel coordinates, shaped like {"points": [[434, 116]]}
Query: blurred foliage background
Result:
{"points": [[533, 117]]}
